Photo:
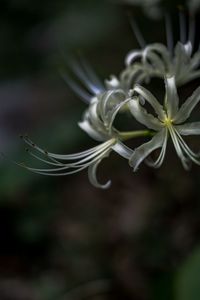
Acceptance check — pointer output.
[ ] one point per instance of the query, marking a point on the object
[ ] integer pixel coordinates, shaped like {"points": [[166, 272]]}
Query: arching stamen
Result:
{"points": [[52, 172], [183, 143], [55, 163], [67, 156], [192, 30], [137, 32], [191, 155], [83, 77], [178, 148], [182, 25], [90, 72], [169, 33], [86, 97]]}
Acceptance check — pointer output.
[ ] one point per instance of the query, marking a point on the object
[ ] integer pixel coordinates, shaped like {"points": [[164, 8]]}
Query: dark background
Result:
{"points": [[61, 238]]}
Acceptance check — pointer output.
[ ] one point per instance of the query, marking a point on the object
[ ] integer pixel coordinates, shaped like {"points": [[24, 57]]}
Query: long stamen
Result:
{"points": [[78, 90], [52, 172], [81, 163], [79, 72], [178, 148], [192, 156], [137, 32], [90, 72], [169, 33], [61, 156], [182, 24], [192, 30]]}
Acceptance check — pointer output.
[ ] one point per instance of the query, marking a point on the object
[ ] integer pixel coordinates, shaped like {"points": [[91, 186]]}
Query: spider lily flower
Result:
{"points": [[170, 121], [97, 123], [158, 60], [104, 103]]}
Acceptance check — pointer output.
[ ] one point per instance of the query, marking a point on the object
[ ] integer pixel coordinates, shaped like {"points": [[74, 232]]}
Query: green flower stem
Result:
{"points": [[127, 135]]}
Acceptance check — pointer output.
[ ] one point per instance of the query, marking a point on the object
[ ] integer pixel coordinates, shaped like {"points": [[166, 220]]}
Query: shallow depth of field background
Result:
{"points": [[61, 238]]}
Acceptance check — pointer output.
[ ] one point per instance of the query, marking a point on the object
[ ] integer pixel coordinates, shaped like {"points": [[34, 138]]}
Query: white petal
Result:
{"points": [[162, 51], [187, 107], [108, 101], [92, 170], [86, 126], [154, 60], [132, 56], [189, 128], [195, 61], [141, 115], [149, 97], [112, 115], [112, 83], [160, 159], [142, 152], [172, 99], [132, 74], [183, 52], [123, 150]]}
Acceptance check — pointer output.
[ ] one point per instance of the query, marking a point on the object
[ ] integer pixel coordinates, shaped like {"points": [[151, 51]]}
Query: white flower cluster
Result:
{"points": [[176, 66]]}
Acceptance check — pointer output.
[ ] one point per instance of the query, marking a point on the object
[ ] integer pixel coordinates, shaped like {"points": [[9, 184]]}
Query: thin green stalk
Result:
{"points": [[127, 135]]}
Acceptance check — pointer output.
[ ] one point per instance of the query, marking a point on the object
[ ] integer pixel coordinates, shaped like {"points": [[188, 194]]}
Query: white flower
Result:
{"points": [[157, 60], [170, 121], [97, 123]]}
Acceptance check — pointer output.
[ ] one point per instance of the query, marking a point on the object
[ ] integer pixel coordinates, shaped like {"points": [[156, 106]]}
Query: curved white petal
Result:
{"points": [[149, 97], [132, 56], [189, 128], [154, 60], [92, 170], [142, 152], [141, 115], [162, 51], [112, 115], [109, 101], [122, 150], [160, 159], [86, 126], [187, 107], [195, 61], [112, 83]]}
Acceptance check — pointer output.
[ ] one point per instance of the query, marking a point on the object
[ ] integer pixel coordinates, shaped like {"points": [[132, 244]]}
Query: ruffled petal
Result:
{"points": [[142, 152], [187, 107], [141, 115], [149, 97]]}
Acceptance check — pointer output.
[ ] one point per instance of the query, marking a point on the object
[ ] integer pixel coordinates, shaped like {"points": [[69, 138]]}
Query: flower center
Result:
{"points": [[168, 121]]}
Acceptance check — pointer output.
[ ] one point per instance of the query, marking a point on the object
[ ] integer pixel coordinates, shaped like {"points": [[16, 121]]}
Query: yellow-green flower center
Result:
{"points": [[167, 121]]}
